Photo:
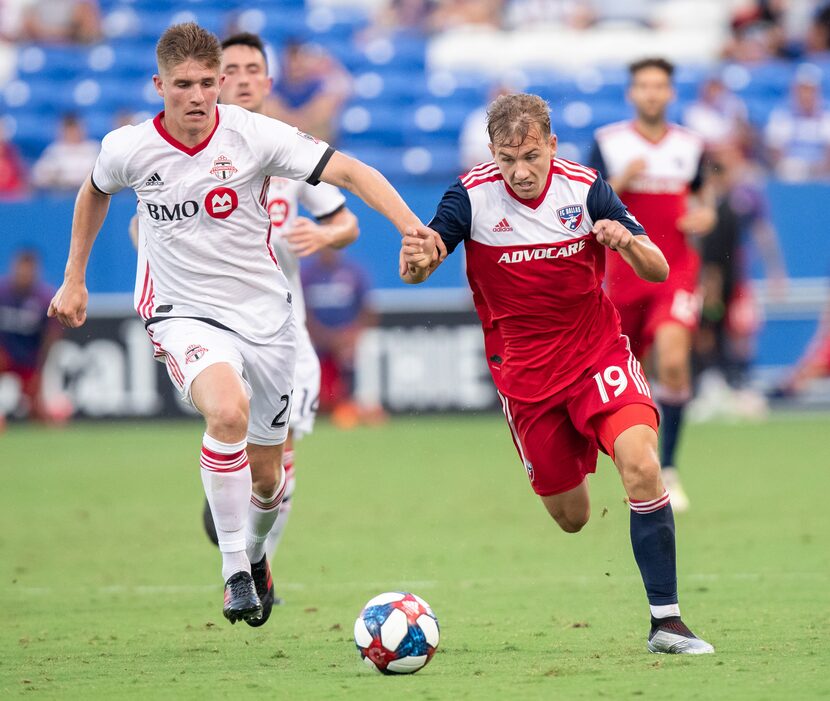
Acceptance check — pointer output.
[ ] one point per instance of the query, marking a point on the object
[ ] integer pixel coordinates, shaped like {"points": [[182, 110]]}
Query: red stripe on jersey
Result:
{"points": [[571, 176], [263, 195], [158, 123], [144, 292], [479, 171], [476, 183], [270, 247], [576, 168]]}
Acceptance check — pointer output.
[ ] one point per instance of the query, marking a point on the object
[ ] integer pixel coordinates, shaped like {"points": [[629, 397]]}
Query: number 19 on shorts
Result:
{"points": [[614, 380]]}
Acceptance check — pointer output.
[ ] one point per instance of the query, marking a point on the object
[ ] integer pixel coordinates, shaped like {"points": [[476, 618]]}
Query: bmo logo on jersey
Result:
{"points": [[220, 202], [179, 211]]}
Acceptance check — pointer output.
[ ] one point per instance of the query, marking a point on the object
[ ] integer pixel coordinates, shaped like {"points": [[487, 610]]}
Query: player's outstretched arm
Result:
{"points": [[376, 191], [419, 256], [639, 252], [69, 303]]}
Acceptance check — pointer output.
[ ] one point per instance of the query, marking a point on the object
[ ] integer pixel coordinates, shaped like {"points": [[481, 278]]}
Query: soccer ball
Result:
{"points": [[396, 633]]}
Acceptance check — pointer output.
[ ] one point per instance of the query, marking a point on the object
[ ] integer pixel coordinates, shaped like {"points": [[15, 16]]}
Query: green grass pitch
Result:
{"points": [[110, 589]]}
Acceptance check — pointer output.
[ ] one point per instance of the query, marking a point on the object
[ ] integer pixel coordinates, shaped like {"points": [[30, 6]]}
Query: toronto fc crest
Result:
{"points": [[194, 353], [222, 168], [570, 216]]}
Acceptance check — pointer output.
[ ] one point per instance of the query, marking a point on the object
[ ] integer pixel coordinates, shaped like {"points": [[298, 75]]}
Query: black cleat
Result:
{"points": [[210, 528], [261, 573], [241, 600]]}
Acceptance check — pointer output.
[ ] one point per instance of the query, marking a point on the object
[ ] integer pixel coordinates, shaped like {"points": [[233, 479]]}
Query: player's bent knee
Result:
{"points": [[570, 519], [571, 523], [640, 474], [228, 417]]}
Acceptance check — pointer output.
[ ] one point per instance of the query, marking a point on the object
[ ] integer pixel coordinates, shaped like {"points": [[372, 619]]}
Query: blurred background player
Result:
{"points": [[535, 230], [654, 165], [26, 333], [293, 237], [339, 311], [814, 362], [731, 314]]}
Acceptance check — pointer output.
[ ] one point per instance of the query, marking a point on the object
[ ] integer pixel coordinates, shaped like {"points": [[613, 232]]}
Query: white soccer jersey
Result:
{"points": [[203, 216], [284, 198]]}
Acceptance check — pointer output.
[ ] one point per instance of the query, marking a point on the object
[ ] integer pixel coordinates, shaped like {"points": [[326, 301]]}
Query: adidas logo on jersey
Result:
{"points": [[154, 181], [502, 226]]}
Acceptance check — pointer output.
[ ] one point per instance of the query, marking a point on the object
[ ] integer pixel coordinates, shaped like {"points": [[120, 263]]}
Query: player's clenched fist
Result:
{"points": [[612, 234], [68, 305], [419, 254]]}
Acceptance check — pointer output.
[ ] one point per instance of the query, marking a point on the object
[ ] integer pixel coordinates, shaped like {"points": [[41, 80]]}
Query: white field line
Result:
{"points": [[406, 585]]}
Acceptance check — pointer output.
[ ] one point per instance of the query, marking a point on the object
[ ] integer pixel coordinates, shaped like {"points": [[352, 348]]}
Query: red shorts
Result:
{"points": [[29, 376], [641, 318], [558, 438]]}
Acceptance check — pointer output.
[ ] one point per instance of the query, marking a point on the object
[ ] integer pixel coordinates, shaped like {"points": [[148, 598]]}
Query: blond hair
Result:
{"points": [[510, 118], [188, 40]]}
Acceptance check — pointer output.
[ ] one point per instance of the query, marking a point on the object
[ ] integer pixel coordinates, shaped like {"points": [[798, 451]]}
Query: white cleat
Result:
{"points": [[677, 495], [674, 638]]}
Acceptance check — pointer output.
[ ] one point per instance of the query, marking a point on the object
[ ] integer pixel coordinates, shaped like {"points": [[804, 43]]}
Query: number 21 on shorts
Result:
{"points": [[615, 380]]}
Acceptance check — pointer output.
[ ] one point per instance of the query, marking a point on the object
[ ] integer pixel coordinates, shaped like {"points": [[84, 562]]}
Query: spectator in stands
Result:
{"points": [[26, 334], [558, 13], [336, 295], [797, 135], [453, 14], [311, 90], [12, 173], [403, 15], [62, 21], [817, 37], [68, 161], [757, 32], [719, 116]]}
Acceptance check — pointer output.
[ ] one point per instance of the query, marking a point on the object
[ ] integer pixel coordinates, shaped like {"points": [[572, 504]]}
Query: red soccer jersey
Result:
{"points": [[657, 198], [536, 273]]}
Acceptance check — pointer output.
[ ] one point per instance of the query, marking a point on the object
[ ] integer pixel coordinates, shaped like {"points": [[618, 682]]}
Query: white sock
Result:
{"points": [[665, 611], [226, 476], [262, 512], [275, 535]]}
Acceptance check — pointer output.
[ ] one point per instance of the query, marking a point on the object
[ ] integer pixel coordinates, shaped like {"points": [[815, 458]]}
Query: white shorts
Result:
{"points": [[189, 346], [306, 386]]}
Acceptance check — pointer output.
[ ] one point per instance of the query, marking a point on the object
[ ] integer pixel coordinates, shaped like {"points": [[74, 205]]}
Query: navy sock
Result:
{"points": [[672, 421], [652, 539]]}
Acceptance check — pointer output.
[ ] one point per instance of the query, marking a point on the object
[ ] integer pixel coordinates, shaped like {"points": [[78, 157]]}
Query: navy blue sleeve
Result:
{"points": [[596, 161], [603, 203], [454, 216], [700, 174]]}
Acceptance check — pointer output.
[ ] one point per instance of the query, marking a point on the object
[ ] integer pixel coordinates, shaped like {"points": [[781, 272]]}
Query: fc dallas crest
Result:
{"points": [[222, 168], [570, 216]]}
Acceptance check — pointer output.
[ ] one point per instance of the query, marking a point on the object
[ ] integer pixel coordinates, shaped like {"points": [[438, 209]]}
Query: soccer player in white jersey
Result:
{"points": [[215, 302], [293, 237]]}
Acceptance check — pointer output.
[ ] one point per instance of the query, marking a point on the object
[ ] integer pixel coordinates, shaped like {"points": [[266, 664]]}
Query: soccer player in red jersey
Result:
{"points": [[654, 166], [535, 230]]}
